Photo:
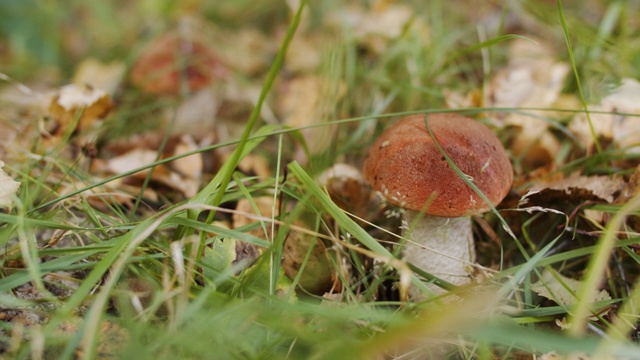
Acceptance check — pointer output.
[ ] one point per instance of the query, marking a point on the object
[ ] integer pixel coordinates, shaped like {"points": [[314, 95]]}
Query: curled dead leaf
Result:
{"points": [[533, 79], [183, 174], [631, 189], [347, 187], [613, 119], [8, 188], [76, 105], [562, 289], [576, 188]]}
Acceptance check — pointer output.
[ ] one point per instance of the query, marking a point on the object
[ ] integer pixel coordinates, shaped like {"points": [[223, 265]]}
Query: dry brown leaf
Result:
{"points": [[347, 187], [130, 160], [533, 78], [99, 75], [576, 188], [304, 54], [236, 102], [374, 27], [246, 49], [195, 115], [8, 188], [561, 289], [307, 101], [623, 130], [456, 100], [20, 105], [114, 191], [93, 103], [218, 111], [246, 213], [251, 165], [631, 189], [183, 174], [189, 166]]}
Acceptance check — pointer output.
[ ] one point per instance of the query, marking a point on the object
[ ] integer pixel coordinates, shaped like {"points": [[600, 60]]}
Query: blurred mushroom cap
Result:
{"points": [[172, 61]]}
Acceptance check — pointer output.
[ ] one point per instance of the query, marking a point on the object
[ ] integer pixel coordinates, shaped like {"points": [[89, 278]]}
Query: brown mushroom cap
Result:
{"points": [[407, 167], [171, 56]]}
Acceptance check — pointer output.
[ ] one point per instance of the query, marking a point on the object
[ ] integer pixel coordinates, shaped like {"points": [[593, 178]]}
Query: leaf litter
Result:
{"points": [[211, 91]]}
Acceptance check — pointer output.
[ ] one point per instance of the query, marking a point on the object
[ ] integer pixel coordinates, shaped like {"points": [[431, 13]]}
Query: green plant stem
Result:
{"points": [[583, 101], [219, 184]]}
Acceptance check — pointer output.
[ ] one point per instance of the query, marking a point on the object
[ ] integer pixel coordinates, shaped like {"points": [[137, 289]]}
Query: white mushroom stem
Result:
{"points": [[440, 246]]}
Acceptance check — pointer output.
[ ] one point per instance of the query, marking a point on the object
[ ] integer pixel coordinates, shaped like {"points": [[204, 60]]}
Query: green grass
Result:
{"points": [[158, 280]]}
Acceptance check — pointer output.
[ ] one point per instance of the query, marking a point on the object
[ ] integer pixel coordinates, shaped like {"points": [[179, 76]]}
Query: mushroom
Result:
{"points": [[407, 167], [175, 60]]}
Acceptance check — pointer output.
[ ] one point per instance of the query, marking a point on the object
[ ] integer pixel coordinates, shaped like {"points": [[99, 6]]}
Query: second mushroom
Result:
{"points": [[407, 167]]}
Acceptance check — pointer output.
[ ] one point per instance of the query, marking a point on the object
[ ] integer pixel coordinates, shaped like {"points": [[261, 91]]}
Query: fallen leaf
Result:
{"points": [[236, 102], [347, 187], [246, 49], [374, 27], [114, 192], [251, 165], [576, 188], [307, 101], [196, 114], [21, 104], [79, 105], [631, 189], [130, 160], [573, 190], [248, 211], [8, 188], [532, 79], [218, 258], [456, 100], [183, 174], [190, 166], [622, 130], [562, 289], [305, 53], [99, 75]]}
